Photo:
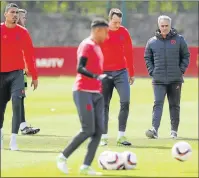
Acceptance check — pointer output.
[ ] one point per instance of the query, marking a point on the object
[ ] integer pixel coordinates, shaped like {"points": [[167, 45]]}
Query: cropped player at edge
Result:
{"points": [[16, 45], [118, 63], [25, 129], [88, 98]]}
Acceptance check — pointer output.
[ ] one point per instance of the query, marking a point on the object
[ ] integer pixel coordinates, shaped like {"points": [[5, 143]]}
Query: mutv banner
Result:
{"points": [[61, 61]]}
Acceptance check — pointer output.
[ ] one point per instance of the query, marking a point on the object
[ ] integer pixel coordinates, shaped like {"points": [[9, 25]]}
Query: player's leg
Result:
{"points": [[3, 104], [123, 88], [4, 98], [17, 94], [159, 96], [23, 124], [98, 102], [174, 96], [25, 129], [23, 120], [84, 104], [108, 86]]}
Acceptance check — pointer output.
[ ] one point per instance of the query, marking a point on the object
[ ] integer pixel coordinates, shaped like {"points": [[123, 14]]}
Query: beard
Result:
{"points": [[14, 21]]}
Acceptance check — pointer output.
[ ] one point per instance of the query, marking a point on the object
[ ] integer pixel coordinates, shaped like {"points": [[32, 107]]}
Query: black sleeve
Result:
{"points": [[184, 55], [148, 56], [82, 70]]}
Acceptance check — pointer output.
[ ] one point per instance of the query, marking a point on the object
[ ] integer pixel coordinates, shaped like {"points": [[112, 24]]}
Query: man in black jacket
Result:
{"points": [[167, 58]]}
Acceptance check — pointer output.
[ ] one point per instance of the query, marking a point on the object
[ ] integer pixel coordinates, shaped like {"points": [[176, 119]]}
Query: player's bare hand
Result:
{"points": [[131, 80], [26, 70], [34, 83]]}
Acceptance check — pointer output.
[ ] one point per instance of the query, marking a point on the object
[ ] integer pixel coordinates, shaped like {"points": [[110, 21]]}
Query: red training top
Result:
{"points": [[118, 51], [16, 45], [92, 51]]}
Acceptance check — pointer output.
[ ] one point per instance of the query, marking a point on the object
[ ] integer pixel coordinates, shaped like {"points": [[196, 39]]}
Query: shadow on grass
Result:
{"points": [[66, 136], [36, 151], [41, 135], [187, 139], [150, 147], [59, 136], [134, 146]]}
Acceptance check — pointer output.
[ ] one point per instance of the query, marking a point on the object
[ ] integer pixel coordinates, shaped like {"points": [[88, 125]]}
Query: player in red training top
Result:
{"points": [[118, 63], [15, 45], [25, 129], [88, 98]]}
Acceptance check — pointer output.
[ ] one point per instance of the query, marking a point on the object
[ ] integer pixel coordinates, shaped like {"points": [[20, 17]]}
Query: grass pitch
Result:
{"points": [[52, 109]]}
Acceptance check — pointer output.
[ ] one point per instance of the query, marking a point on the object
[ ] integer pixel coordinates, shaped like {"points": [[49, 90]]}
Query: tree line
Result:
{"points": [[102, 7]]}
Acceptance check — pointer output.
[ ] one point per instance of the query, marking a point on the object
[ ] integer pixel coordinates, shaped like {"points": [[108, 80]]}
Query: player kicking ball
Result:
{"points": [[88, 98], [25, 129]]}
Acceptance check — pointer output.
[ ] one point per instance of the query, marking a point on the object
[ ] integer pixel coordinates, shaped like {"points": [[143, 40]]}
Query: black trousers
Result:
{"points": [[173, 92], [121, 84], [12, 86], [91, 114]]}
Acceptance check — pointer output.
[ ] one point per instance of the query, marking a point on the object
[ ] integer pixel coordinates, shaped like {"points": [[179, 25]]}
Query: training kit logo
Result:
{"points": [[88, 107], [173, 41]]}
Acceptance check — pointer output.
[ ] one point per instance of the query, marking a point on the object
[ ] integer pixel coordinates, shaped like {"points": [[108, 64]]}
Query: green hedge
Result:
{"points": [[101, 7]]}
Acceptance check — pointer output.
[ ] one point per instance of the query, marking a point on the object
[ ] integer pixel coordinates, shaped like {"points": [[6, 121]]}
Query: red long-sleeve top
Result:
{"points": [[118, 51], [16, 45]]}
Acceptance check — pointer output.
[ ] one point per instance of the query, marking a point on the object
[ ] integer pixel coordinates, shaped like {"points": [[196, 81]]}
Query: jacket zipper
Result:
{"points": [[165, 59]]}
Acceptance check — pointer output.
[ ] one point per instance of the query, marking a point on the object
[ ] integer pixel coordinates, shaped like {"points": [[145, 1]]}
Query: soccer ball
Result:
{"points": [[129, 159], [181, 151], [110, 160]]}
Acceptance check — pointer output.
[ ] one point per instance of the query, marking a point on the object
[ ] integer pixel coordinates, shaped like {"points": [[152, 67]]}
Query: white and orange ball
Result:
{"points": [[182, 151], [129, 159], [110, 160]]}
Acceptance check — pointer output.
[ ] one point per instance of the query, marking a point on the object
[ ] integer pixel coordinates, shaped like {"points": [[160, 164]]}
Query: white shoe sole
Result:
{"points": [[14, 148], [92, 174], [62, 168]]}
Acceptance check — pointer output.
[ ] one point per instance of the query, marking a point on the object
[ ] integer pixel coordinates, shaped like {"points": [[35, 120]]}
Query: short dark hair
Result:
{"points": [[99, 23], [11, 5], [23, 11], [115, 11]]}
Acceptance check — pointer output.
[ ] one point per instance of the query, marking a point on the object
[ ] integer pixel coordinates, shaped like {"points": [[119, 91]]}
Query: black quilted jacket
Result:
{"points": [[167, 59]]}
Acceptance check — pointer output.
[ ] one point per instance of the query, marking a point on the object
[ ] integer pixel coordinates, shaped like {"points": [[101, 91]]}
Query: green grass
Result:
{"points": [[38, 153]]}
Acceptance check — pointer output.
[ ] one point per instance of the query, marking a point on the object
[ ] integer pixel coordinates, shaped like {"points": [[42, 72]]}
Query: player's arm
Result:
{"points": [[128, 52], [148, 56], [82, 62], [28, 50], [26, 68], [184, 55], [81, 68]]}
